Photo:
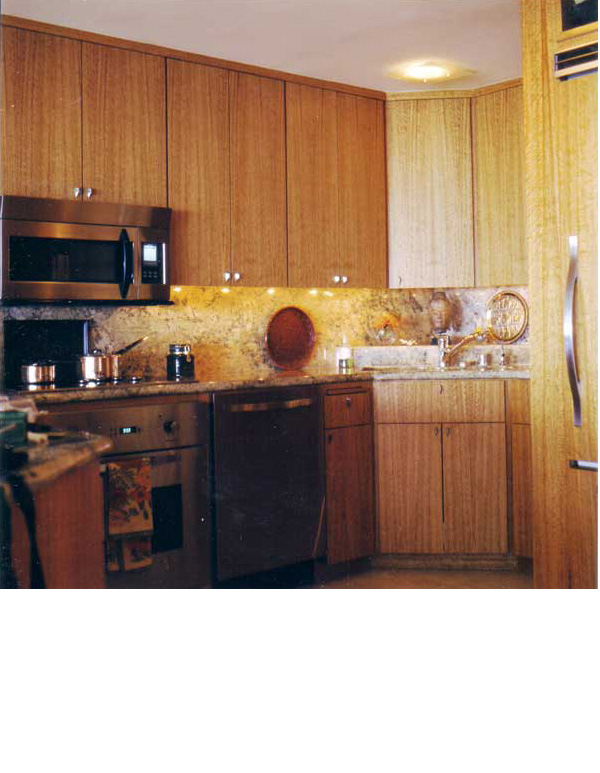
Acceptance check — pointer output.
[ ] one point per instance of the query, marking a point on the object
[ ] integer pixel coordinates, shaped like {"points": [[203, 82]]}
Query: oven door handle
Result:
{"points": [[126, 263]]}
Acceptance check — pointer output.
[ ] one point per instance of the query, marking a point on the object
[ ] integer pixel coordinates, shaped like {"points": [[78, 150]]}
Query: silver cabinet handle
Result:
{"points": [[237, 276], [569, 329], [227, 276], [286, 405], [336, 279], [581, 464], [78, 192], [344, 280], [89, 192]]}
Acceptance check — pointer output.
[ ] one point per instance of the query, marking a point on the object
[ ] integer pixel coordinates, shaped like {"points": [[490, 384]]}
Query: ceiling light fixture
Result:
{"points": [[425, 71]]}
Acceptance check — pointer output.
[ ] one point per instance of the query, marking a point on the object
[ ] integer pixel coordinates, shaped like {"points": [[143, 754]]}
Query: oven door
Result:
{"points": [[68, 261], [181, 515]]}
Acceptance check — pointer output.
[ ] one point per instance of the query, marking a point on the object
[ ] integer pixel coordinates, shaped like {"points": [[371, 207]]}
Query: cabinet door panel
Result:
{"points": [[41, 114], [498, 160], [522, 505], [258, 180], [312, 184], [409, 462], [124, 126], [199, 192], [350, 512], [362, 191], [430, 206], [474, 488]]}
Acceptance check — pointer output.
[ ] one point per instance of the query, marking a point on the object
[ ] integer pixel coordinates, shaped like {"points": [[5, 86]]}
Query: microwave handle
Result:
{"points": [[127, 263]]}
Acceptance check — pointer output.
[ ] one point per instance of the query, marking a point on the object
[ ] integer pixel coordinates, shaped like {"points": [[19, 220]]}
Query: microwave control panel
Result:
{"points": [[153, 263]]}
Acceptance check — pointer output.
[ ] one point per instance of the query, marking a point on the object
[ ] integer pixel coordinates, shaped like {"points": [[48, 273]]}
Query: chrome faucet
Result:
{"points": [[445, 353]]}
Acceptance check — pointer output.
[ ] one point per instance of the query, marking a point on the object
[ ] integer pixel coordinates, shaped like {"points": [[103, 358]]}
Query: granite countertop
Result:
{"points": [[48, 461], [256, 381]]}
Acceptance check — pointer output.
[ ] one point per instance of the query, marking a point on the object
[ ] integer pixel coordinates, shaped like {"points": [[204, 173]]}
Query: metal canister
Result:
{"points": [[180, 363]]}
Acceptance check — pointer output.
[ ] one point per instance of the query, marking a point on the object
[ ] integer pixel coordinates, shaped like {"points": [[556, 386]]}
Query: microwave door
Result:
{"points": [[67, 261]]}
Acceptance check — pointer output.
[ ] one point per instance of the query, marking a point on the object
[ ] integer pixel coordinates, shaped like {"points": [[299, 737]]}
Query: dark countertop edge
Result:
{"points": [[203, 387], [55, 461]]}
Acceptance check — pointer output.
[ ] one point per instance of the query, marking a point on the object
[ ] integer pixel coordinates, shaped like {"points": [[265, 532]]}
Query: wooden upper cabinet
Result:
{"points": [[198, 153], [41, 115], [258, 180], [362, 191], [124, 125], [498, 160], [312, 179], [430, 203]]}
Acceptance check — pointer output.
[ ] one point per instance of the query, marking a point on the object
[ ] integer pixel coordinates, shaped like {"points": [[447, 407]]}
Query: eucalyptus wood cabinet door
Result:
{"points": [[362, 191], [124, 126], [522, 502], [41, 115], [349, 493], [409, 479], [499, 182], [475, 515], [430, 203], [198, 154], [258, 180], [312, 186]]}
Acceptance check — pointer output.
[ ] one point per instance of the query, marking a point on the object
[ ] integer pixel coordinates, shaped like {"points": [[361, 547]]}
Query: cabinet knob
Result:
{"points": [[330, 439], [89, 192], [344, 280], [237, 276], [436, 431], [77, 192], [448, 431], [227, 276], [336, 279], [171, 426], [348, 401]]}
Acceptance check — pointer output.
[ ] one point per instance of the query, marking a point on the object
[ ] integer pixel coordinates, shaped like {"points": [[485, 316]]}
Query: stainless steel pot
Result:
{"points": [[103, 367], [38, 373]]}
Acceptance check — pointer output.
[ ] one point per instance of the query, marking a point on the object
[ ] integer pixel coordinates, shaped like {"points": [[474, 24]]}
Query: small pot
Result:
{"points": [[99, 367], [38, 373]]}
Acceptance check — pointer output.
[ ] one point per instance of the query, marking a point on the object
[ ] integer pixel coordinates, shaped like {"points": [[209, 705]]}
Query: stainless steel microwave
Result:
{"points": [[54, 250]]}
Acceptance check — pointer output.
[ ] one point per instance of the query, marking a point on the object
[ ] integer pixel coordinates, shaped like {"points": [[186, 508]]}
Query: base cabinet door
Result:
{"points": [[474, 459], [410, 488], [522, 503], [350, 493]]}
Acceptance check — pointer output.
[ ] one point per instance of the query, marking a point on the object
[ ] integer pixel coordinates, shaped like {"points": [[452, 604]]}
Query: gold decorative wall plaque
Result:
{"points": [[507, 316]]}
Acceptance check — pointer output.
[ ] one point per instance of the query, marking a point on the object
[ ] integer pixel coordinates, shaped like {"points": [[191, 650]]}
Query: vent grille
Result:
{"points": [[576, 61]]}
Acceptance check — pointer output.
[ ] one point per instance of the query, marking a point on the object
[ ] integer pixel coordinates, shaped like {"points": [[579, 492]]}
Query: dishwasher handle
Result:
{"points": [[276, 405]]}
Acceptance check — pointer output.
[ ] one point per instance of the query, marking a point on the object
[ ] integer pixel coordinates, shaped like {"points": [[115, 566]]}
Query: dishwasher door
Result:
{"points": [[269, 497]]}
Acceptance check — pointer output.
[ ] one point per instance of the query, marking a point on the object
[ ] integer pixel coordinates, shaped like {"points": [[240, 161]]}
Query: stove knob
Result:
{"points": [[171, 426]]}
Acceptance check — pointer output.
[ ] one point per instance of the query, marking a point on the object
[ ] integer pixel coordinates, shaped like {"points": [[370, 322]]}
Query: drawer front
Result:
{"points": [[400, 402], [517, 401], [347, 409]]}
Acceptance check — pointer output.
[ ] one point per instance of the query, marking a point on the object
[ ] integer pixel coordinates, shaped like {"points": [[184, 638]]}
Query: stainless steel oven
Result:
{"points": [[83, 251], [175, 440]]}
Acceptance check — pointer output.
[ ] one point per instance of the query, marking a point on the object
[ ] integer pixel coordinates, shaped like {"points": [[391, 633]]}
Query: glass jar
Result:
{"points": [[180, 363]]}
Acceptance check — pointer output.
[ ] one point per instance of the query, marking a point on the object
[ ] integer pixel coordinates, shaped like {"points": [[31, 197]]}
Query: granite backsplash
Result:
{"points": [[226, 326]]}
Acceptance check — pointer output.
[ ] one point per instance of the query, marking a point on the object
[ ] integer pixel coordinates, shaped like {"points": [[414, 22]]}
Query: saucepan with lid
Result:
{"points": [[96, 366], [38, 373]]}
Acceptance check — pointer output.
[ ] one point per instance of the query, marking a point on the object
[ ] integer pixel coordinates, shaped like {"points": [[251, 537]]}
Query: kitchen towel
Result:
{"points": [[129, 523]]}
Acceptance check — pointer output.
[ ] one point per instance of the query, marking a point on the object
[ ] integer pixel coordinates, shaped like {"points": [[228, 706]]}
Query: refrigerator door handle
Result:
{"points": [[581, 464], [569, 329]]}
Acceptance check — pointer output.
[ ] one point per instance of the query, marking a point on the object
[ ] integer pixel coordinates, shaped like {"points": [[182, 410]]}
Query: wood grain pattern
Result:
{"points": [[409, 488], [211, 61], [430, 207], [362, 191], [124, 126], [312, 185], [561, 199], [41, 115], [198, 154], [437, 401], [453, 93], [522, 502], [474, 458], [350, 493], [258, 180], [70, 532], [348, 409], [498, 173], [517, 401]]}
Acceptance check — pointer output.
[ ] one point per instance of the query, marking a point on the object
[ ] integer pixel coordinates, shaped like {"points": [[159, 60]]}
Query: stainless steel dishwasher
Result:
{"points": [[268, 491]]}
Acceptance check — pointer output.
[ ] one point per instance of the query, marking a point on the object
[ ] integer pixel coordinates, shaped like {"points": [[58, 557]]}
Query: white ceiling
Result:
{"points": [[349, 41]]}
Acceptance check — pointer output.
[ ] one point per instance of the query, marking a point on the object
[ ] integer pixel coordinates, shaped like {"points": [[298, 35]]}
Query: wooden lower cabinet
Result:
{"points": [[442, 488], [522, 500], [349, 493]]}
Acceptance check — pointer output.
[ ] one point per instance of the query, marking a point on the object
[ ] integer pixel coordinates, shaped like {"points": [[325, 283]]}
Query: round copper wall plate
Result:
{"points": [[290, 338], [507, 316]]}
